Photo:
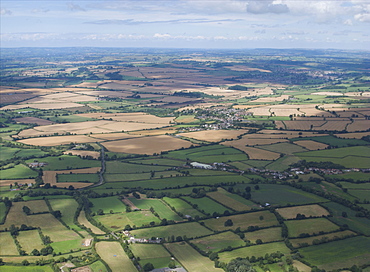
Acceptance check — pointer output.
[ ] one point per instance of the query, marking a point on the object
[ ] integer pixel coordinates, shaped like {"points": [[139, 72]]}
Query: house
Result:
{"points": [[201, 165]]}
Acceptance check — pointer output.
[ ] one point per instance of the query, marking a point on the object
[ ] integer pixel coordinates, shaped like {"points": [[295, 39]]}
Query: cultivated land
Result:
{"points": [[98, 141]]}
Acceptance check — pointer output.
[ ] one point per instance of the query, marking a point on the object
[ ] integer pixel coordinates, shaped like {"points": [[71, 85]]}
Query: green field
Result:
{"points": [[112, 253], [8, 246], [339, 254], [358, 224], [66, 246], [9, 268], [191, 230], [30, 240], [120, 220], [218, 242], [233, 201], [159, 207], [107, 204], [182, 207], [310, 226], [298, 242], [362, 195], [257, 251], [356, 186], [2, 211], [149, 253], [68, 209], [94, 178], [261, 219], [280, 195], [118, 167], [64, 162], [149, 162], [266, 235], [329, 187], [356, 176], [19, 171], [190, 258], [349, 157], [7, 153], [334, 141], [206, 205], [283, 163], [98, 266]]}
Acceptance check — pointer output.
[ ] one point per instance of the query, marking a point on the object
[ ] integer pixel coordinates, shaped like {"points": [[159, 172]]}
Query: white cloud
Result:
{"points": [[74, 7], [363, 17], [4, 11]]}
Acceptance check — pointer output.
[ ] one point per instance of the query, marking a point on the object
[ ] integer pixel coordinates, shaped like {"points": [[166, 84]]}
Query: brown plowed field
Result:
{"points": [[214, 135]]}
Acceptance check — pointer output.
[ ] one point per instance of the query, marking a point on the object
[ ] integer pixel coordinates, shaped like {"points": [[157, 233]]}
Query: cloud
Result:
{"points": [[40, 10], [74, 7], [260, 7], [4, 11], [177, 21], [363, 17]]}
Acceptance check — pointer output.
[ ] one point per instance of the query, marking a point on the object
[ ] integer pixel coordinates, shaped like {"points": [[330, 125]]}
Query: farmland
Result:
{"points": [[123, 159]]}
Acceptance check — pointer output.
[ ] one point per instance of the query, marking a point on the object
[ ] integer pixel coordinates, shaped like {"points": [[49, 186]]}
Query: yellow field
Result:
{"points": [[136, 117], [311, 145], [113, 136], [214, 135], [58, 140], [7, 244], [301, 266], [43, 106], [271, 99], [147, 145], [203, 105], [112, 253], [190, 258], [83, 221], [7, 182], [153, 132], [308, 210], [82, 153], [328, 93]]}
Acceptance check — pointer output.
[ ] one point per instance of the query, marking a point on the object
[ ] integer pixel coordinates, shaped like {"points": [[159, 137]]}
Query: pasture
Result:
{"points": [[107, 204], [190, 230], [118, 167], [339, 254], [298, 242], [257, 251], [310, 226], [284, 148], [182, 207], [30, 240], [154, 254], [309, 210], [118, 221], [265, 235], [190, 258], [159, 207], [112, 253], [232, 201], [83, 221], [334, 141], [217, 242], [9, 268], [64, 162], [66, 246], [206, 205], [252, 152], [242, 221], [68, 209], [148, 162], [19, 171], [8, 246]]}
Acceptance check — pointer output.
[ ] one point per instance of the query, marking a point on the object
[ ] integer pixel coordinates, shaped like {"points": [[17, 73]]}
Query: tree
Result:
{"points": [[57, 214], [35, 252], [148, 267], [213, 256], [228, 223], [25, 262], [172, 264], [239, 265], [26, 210]]}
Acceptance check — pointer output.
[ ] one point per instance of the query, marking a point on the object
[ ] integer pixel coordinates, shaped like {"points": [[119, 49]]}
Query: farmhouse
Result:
{"points": [[201, 165], [37, 164]]}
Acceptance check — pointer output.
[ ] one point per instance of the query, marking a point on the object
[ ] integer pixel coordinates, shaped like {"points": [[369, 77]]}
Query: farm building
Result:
{"points": [[201, 165]]}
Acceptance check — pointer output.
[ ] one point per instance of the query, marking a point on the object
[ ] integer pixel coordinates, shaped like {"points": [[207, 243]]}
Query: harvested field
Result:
{"points": [[51, 177], [328, 93], [43, 106], [147, 145], [311, 145], [57, 140], [83, 153], [214, 135], [136, 117], [358, 125], [252, 152], [8, 246], [308, 210], [30, 240], [286, 110], [7, 182], [33, 120], [83, 221], [265, 235], [113, 136], [284, 148], [190, 258], [112, 253], [270, 99], [217, 242], [352, 135], [153, 132], [310, 226]]}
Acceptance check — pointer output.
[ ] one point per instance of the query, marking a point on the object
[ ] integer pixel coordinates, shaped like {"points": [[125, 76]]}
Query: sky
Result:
{"points": [[229, 24]]}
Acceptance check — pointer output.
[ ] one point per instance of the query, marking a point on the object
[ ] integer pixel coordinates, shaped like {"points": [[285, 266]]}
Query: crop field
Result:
{"points": [[261, 219], [51, 177], [112, 253], [56, 140], [136, 117], [147, 145], [214, 135], [206, 205], [354, 223], [330, 236], [352, 135], [309, 210], [107, 204], [360, 194], [30, 240], [218, 242], [113, 136], [283, 163], [265, 235], [118, 221], [190, 258], [358, 125], [83, 153], [182, 207], [155, 162], [8, 246], [37, 206], [68, 209], [311, 145], [154, 254], [197, 153], [83, 221], [117, 167], [190, 230], [339, 254], [19, 171], [94, 178], [281, 195], [159, 207], [232, 201], [310, 226], [254, 153], [334, 141], [284, 148], [257, 251], [66, 162]]}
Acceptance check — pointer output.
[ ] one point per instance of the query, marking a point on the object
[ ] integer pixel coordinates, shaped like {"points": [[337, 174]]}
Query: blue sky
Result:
{"points": [[187, 23]]}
